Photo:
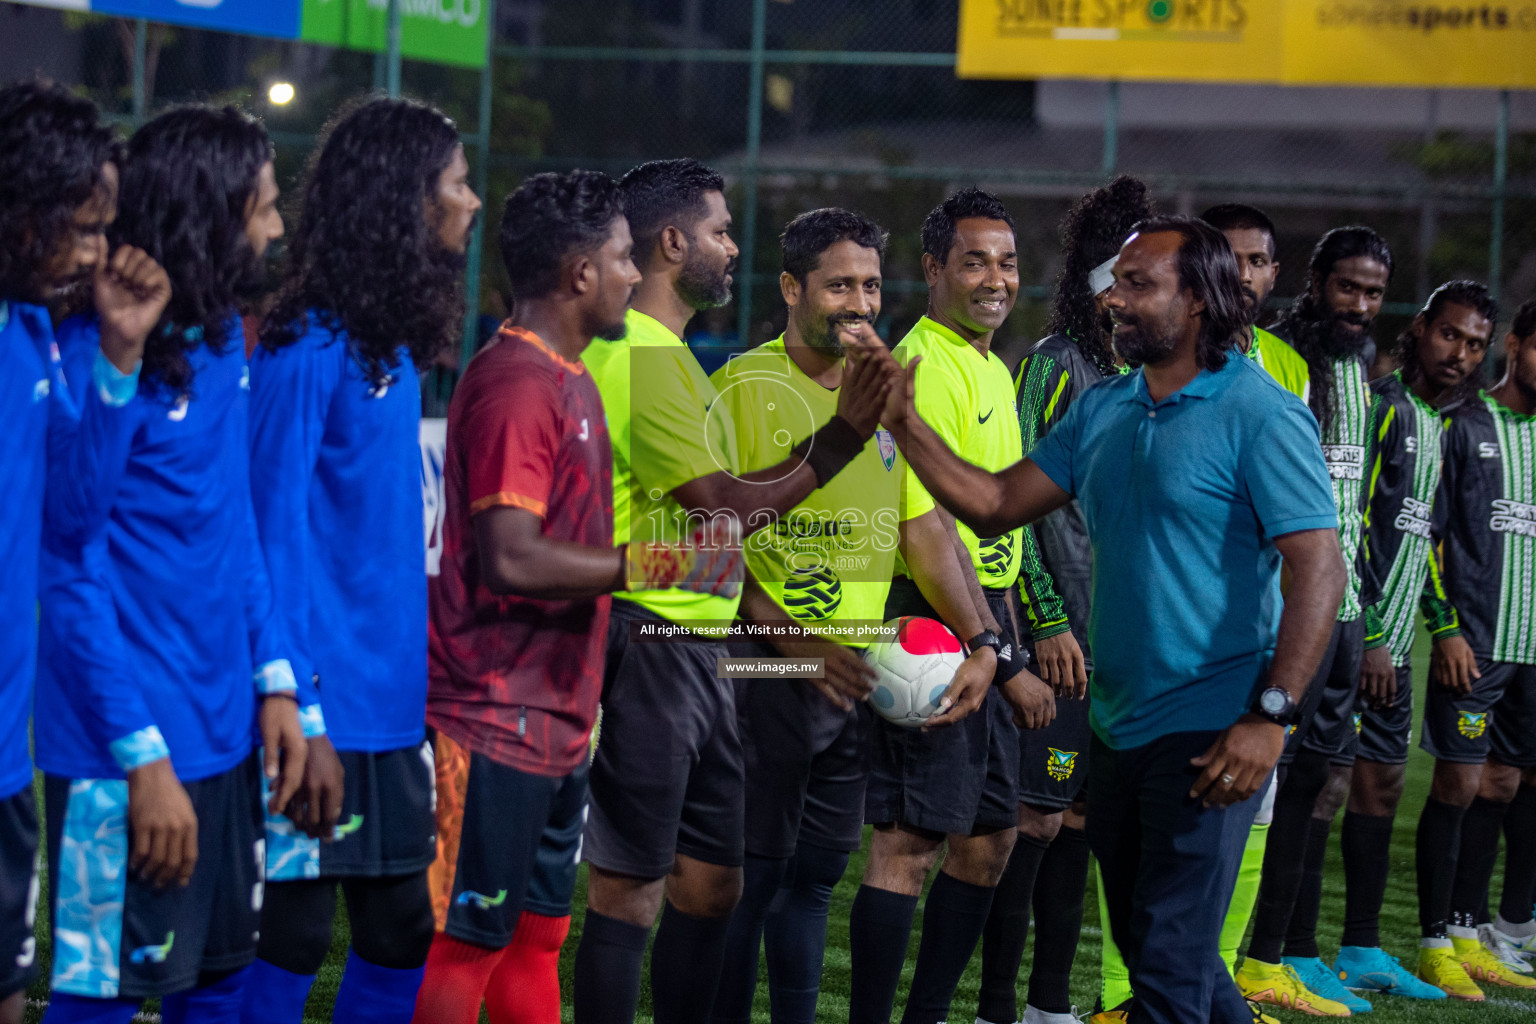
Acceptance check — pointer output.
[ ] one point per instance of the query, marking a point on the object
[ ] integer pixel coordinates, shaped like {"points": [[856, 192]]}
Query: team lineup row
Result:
{"points": [[324, 714]]}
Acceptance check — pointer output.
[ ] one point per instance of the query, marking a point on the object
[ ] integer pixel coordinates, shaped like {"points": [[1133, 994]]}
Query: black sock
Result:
{"points": [[744, 940], [1435, 846], [795, 941], [1367, 844], [685, 966], [879, 928], [953, 918], [1284, 855], [607, 971], [1058, 921], [1519, 857], [1474, 863], [1006, 932], [1301, 936], [686, 960]]}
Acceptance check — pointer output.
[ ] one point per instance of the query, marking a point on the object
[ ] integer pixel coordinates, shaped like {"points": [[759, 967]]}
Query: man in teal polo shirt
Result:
{"points": [[1197, 475]]}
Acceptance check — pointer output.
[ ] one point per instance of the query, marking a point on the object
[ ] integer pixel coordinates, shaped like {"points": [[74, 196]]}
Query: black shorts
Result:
{"points": [[668, 776], [1326, 720], [506, 840], [1497, 719], [1382, 735], [1053, 762], [115, 936], [18, 891], [386, 826], [959, 780], [807, 762]]}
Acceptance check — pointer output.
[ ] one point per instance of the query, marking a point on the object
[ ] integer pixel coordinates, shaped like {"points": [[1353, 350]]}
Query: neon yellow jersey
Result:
{"points": [[968, 400], [665, 432], [830, 559], [1281, 362]]}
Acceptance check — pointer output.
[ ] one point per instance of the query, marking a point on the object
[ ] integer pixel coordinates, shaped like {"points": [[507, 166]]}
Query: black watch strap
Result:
{"points": [[1275, 705]]}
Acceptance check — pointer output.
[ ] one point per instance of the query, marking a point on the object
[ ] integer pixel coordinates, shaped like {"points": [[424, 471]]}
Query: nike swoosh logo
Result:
{"points": [[982, 419], [351, 825]]}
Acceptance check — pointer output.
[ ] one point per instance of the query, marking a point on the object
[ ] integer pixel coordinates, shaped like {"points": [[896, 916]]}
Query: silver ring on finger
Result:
{"points": [[1226, 780]]}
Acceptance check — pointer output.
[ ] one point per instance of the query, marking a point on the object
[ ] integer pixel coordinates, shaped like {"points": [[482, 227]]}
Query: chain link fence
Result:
{"points": [[855, 103]]}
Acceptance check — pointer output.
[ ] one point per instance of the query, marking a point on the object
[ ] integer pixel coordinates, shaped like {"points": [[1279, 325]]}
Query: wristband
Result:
{"points": [[831, 448]]}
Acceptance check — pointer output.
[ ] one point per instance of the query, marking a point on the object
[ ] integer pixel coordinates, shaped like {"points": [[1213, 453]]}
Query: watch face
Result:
{"points": [[1273, 701]]}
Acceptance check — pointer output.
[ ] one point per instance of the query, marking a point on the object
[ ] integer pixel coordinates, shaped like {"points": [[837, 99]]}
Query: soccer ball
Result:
{"points": [[913, 670]]}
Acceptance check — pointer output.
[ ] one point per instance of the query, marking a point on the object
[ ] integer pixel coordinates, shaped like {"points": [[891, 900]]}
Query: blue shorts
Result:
{"points": [[116, 936]]}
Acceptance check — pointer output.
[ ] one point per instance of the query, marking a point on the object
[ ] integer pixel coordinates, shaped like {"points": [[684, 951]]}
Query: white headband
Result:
{"points": [[1102, 277]]}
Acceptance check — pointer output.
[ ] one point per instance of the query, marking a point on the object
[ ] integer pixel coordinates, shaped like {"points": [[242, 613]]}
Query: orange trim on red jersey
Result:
{"points": [[523, 334], [503, 499]]}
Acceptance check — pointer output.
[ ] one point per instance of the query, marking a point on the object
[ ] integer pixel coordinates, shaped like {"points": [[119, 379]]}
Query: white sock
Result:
{"points": [[1515, 931]]}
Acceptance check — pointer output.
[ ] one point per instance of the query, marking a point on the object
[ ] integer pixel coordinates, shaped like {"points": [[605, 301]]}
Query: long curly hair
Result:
{"points": [[365, 257], [187, 183], [1472, 294], [52, 148], [1312, 327], [1091, 232]]}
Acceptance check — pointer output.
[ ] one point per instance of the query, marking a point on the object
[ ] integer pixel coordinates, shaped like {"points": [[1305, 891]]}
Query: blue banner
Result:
{"points": [[279, 18]]}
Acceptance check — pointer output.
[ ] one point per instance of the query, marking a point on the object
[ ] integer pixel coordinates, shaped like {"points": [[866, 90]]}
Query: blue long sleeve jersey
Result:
{"points": [[336, 482], [45, 427], [158, 629]]}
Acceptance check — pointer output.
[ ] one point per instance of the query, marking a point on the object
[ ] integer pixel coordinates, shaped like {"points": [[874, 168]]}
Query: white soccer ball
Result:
{"points": [[913, 670]]}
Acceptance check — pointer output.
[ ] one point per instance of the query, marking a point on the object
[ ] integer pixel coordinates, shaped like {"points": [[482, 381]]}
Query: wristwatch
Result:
{"points": [[986, 638], [1275, 705], [1002, 648]]}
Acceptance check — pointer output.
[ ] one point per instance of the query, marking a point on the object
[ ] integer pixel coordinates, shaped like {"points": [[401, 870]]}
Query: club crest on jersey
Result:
{"points": [[41, 388], [1359, 723], [1472, 724], [1059, 763], [887, 445]]}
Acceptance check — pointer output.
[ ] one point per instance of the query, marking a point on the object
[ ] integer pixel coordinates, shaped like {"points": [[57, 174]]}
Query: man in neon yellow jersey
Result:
{"points": [[957, 786], [666, 822], [1252, 237], [827, 565]]}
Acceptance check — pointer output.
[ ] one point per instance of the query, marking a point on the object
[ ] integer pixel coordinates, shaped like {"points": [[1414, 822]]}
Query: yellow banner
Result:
{"points": [[1407, 42], [1296, 42]]}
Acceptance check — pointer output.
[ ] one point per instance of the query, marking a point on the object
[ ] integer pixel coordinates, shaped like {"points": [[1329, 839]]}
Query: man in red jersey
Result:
{"points": [[519, 613]]}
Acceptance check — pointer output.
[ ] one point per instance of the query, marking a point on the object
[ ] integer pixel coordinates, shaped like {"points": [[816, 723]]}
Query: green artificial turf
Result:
{"points": [[1399, 936]]}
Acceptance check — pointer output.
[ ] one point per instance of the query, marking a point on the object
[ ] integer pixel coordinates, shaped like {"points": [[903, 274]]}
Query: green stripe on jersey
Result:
{"points": [[1405, 578], [1514, 516], [1344, 448]]}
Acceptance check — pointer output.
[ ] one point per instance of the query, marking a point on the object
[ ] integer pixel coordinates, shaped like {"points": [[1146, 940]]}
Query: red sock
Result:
{"points": [[455, 981], [526, 986]]}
